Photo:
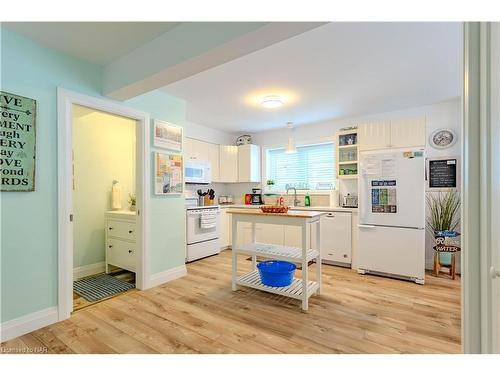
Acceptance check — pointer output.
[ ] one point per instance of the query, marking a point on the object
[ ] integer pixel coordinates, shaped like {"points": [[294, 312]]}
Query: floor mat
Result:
{"points": [[94, 288]]}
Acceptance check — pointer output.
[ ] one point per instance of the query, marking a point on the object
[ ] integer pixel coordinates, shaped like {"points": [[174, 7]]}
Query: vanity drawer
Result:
{"points": [[121, 229], [121, 253]]}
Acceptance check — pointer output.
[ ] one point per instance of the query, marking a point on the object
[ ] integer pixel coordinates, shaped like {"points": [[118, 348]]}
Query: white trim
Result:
{"points": [[166, 276], [88, 270], [65, 101], [28, 323]]}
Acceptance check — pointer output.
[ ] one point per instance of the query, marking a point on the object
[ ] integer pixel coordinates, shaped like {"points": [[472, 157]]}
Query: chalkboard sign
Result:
{"points": [[443, 173]]}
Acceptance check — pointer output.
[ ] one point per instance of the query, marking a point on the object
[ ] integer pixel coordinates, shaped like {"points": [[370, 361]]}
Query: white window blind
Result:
{"points": [[312, 167]]}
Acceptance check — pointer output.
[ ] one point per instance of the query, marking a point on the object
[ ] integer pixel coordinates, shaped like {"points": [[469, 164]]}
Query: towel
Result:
{"points": [[208, 219], [116, 197]]}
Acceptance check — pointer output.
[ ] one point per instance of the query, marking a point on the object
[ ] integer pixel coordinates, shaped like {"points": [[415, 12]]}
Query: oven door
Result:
{"points": [[194, 231]]}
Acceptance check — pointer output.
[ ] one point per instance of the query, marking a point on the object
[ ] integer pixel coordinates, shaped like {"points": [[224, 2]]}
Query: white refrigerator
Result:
{"points": [[392, 213]]}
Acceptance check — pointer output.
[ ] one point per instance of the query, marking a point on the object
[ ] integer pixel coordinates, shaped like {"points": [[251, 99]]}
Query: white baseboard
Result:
{"points": [[166, 276], [88, 270], [28, 323]]}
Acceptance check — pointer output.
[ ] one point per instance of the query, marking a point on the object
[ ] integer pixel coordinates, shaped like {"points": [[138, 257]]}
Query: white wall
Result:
{"points": [[103, 151], [204, 133], [445, 114]]}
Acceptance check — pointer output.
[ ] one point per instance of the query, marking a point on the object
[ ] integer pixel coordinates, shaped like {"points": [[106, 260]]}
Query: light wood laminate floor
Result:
{"points": [[200, 314]]}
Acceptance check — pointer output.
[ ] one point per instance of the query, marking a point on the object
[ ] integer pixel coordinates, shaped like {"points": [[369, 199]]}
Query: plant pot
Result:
{"points": [[132, 207]]}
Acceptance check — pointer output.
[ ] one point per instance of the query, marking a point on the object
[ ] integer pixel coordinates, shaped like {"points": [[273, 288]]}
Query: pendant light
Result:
{"points": [[290, 147]]}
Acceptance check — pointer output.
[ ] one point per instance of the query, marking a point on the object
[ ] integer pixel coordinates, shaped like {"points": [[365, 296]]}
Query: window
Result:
{"points": [[312, 167]]}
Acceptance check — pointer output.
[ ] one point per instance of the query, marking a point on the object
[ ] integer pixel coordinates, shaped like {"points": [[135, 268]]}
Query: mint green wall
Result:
{"points": [[29, 220], [167, 217]]}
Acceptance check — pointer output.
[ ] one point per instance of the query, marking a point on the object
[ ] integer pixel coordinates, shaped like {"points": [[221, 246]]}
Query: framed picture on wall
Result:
{"points": [[167, 135], [168, 174]]}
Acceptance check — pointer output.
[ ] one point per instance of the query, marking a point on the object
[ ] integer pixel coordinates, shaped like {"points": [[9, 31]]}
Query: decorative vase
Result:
{"points": [[132, 207]]}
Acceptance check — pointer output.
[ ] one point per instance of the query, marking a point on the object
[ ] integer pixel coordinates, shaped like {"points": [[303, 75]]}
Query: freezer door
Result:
{"points": [[392, 188], [396, 251]]}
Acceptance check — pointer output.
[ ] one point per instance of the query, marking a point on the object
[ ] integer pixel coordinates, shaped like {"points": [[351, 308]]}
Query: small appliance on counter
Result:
{"points": [[349, 201], [256, 197]]}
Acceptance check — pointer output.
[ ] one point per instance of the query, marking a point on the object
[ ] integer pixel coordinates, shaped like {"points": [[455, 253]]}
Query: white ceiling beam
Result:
{"points": [[191, 48]]}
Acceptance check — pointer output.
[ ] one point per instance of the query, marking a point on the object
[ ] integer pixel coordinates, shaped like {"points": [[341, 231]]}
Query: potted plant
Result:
{"points": [[132, 201], [443, 217]]}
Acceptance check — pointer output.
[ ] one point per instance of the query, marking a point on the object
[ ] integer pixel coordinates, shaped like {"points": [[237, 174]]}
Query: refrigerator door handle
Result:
{"points": [[366, 226]]}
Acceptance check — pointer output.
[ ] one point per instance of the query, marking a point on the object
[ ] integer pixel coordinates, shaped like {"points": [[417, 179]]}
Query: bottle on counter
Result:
{"points": [[307, 200]]}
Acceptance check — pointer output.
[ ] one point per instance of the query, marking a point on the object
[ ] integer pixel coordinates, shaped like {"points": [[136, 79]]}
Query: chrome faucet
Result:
{"points": [[295, 200]]}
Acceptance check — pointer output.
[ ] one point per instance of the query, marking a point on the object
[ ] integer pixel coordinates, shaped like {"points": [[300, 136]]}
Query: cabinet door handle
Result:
{"points": [[110, 228], [130, 231], [130, 251], [345, 255], [110, 246]]}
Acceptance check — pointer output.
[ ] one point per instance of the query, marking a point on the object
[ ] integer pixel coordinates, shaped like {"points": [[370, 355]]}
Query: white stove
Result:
{"points": [[202, 230]]}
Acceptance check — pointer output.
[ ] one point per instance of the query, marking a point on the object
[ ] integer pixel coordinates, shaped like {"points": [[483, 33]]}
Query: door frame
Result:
{"points": [[65, 101], [477, 224]]}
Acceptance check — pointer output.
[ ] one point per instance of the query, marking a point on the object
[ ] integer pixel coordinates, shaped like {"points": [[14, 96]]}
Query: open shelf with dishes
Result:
{"points": [[347, 153]]}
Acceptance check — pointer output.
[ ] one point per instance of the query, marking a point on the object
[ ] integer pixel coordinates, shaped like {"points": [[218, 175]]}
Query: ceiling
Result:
{"points": [[96, 42], [335, 71]]}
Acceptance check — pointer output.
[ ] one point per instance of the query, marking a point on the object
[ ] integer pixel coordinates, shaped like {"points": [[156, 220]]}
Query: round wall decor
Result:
{"points": [[442, 138]]}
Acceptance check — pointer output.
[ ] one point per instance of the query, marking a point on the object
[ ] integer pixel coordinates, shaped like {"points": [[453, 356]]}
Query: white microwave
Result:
{"points": [[197, 172]]}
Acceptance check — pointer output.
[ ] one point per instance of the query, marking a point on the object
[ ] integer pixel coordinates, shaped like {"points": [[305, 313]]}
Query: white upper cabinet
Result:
{"points": [[394, 133], [248, 163], [228, 164], [213, 157], [408, 132], [195, 149], [374, 136]]}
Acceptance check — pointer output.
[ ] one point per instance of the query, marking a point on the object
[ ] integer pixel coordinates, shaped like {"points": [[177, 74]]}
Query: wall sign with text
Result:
{"points": [[17, 142]]}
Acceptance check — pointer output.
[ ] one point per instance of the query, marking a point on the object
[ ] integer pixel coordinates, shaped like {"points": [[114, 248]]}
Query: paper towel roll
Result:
{"points": [[116, 196]]}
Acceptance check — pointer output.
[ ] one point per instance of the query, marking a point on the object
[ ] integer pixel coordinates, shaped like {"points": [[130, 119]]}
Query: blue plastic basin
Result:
{"points": [[276, 272]]}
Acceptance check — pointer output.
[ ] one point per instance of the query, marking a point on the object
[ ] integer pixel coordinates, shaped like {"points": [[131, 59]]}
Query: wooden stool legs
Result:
{"points": [[452, 268], [437, 265]]}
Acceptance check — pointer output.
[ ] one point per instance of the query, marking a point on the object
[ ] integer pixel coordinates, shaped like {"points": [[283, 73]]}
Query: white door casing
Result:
{"points": [[65, 101], [495, 184]]}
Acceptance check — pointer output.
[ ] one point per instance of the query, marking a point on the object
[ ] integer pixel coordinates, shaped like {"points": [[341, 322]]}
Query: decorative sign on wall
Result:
{"points": [[167, 135], [168, 174], [17, 142]]}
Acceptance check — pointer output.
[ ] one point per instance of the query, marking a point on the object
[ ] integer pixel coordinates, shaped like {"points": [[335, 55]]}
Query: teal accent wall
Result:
{"points": [[29, 220], [167, 220]]}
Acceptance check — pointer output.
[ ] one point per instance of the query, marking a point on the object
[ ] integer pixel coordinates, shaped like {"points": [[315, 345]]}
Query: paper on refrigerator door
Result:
{"points": [[388, 168], [383, 193]]}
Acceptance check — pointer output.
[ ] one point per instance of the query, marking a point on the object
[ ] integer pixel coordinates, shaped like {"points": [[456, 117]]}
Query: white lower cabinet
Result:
{"points": [[225, 229], [121, 245], [336, 240], [292, 236], [270, 233]]}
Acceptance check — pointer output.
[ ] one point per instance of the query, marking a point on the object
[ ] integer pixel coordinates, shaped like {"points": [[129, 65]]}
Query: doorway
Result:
{"points": [[104, 216], [102, 153]]}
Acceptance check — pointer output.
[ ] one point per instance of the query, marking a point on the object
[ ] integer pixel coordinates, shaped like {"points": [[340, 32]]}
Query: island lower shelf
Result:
{"points": [[294, 290], [278, 252]]}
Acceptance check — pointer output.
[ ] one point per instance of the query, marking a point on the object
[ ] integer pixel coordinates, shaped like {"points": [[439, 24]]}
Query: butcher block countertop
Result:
{"points": [[290, 213]]}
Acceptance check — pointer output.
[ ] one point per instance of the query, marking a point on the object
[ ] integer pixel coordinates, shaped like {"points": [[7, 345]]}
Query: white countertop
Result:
{"points": [[299, 208]]}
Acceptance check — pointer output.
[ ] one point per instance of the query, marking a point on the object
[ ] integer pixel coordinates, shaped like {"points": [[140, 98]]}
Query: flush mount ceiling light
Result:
{"points": [[290, 147], [272, 101]]}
